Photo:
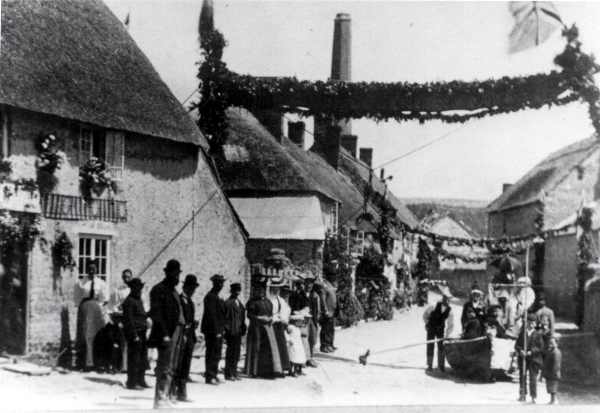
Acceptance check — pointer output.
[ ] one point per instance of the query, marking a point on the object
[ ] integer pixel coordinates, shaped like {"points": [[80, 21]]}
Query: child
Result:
{"points": [[295, 346], [551, 371], [533, 356]]}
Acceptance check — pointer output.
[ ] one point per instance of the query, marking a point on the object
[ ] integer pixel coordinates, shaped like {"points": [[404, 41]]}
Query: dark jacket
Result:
{"points": [[437, 318], [164, 312], [472, 329], [535, 346], [479, 313], [213, 319], [189, 314], [298, 300], [235, 317], [328, 299], [134, 318], [316, 306]]}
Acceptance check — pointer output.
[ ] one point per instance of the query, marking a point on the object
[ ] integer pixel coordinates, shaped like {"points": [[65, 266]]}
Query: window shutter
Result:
{"points": [[115, 153]]}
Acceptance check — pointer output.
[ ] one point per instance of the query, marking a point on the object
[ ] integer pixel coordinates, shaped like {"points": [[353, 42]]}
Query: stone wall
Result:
{"points": [[164, 182]]}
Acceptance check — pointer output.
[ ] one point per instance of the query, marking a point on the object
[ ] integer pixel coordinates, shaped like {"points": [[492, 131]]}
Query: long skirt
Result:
{"points": [[262, 354], [90, 319], [279, 329]]}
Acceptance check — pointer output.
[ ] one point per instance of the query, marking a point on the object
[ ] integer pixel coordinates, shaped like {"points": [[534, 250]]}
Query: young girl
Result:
{"points": [[551, 371], [295, 346]]}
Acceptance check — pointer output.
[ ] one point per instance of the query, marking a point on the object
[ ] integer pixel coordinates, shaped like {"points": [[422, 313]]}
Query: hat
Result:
{"points": [[531, 317], [445, 291], [135, 283], [191, 280], [235, 287], [173, 265], [286, 287], [217, 278], [476, 291]]}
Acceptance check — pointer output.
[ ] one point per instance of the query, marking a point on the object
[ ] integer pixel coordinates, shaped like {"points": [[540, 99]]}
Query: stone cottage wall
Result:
{"points": [[164, 182], [513, 221]]}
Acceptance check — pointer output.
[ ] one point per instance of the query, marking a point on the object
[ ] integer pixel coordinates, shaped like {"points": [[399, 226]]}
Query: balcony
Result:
{"points": [[74, 208]]}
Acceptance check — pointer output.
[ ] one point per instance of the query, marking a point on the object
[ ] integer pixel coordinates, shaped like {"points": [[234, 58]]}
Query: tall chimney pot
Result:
{"points": [[366, 155], [506, 187], [349, 143], [327, 143]]}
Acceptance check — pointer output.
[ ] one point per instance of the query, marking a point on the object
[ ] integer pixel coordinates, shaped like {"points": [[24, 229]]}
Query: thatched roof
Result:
{"points": [[472, 218], [74, 59], [255, 163], [545, 175]]}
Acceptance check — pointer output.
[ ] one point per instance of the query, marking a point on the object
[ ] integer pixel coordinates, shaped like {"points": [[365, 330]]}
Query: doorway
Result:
{"points": [[13, 299]]}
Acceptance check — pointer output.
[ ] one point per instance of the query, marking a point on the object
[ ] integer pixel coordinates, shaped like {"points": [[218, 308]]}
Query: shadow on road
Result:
{"points": [[109, 382]]}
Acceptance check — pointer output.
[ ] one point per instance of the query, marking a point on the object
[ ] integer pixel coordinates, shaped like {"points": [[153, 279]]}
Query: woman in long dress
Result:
{"points": [[281, 318], [262, 354], [90, 297]]}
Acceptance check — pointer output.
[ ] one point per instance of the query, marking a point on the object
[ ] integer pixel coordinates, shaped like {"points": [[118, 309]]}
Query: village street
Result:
{"points": [[388, 379]]}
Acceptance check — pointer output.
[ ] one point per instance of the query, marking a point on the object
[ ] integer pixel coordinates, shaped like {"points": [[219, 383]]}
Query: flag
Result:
{"points": [[535, 21], [126, 21]]}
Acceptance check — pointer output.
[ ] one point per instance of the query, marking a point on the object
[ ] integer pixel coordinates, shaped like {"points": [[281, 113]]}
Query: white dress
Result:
{"points": [[295, 346]]}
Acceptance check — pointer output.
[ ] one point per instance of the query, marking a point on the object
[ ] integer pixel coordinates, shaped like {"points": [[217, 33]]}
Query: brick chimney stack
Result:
{"points": [[366, 155]]}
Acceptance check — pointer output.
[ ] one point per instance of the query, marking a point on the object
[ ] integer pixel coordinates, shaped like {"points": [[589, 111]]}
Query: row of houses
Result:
{"points": [[70, 70]]}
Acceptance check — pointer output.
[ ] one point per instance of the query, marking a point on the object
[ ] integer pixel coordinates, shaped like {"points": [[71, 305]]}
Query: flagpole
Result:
{"points": [[537, 25]]}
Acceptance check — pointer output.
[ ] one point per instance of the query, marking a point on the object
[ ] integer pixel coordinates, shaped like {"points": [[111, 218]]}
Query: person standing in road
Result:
{"points": [[552, 365], [533, 356], [545, 316], [213, 324], [134, 330], [189, 338], [313, 323], [435, 323], [167, 330], [235, 329], [329, 301]]}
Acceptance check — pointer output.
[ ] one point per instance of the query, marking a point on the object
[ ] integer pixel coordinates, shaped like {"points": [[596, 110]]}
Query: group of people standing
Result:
{"points": [[283, 330]]}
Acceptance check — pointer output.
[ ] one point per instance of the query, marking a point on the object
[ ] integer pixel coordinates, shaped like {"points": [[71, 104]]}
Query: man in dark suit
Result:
{"points": [[189, 338], [213, 323], [134, 329], [167, 327], [329, 301], [235, 329]]}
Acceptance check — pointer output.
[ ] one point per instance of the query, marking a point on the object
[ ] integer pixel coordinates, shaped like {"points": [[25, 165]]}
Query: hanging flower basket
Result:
{"points": [[94, 178]]}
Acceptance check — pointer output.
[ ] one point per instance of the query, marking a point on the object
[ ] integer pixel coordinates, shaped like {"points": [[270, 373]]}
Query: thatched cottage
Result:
{"points": [[70, 70], [547, 197]]}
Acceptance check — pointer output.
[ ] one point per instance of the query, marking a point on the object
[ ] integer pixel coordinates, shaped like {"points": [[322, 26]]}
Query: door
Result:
{"points": [[13, 299]]}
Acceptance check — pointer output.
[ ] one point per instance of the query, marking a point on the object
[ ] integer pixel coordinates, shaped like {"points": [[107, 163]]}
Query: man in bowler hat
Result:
{"points": [[167, 327], [235, 329], [213, 323], [189, 338]]}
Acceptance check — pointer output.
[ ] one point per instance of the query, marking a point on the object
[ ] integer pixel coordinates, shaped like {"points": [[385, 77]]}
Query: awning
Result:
{"points": [[296, 218]]}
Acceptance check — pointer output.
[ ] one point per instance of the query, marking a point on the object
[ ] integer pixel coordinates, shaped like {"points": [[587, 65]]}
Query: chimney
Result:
{"points": [[366, 155], [296, 133], [327, 142], [272, 121], [349, 143], [382, 174], [506, 187]]}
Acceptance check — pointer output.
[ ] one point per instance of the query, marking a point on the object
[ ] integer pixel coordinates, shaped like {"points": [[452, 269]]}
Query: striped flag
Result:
{"points": [[535, 21]]}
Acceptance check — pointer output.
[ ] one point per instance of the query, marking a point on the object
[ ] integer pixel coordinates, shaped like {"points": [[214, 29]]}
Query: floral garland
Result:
{"points": [[94, 178], [17, 229], [400, 101], [48, 162], [586, 254]]}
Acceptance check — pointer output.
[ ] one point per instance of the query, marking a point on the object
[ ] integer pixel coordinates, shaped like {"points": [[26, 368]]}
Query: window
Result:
{"points": [[92, 247], [106, 145], [356, 242]]}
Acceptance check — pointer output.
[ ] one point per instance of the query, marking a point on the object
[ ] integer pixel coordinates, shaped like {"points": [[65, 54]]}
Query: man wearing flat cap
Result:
{"points": [[167, 328], [189, 338], [235, 329], [134, 329], [213, 324]]}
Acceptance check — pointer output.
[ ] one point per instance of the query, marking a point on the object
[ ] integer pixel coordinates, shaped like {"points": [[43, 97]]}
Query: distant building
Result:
{"points": [[71, 69]]}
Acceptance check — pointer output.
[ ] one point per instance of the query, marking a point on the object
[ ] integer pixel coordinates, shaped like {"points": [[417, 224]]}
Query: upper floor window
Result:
{"points": [[332, 225], [107, 145]]}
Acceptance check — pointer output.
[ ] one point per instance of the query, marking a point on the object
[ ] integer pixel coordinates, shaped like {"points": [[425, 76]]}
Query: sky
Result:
{"points": [[391, 41]]}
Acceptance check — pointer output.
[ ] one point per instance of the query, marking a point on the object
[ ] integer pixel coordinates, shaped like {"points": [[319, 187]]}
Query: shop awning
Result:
{"points": [[297, 218]]}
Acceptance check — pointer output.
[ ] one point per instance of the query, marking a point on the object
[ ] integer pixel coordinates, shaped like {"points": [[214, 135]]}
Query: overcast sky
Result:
{"points": [[392, 41]]}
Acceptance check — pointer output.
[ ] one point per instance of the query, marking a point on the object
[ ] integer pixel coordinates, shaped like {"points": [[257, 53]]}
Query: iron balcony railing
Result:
{"points": [[74, 208]]}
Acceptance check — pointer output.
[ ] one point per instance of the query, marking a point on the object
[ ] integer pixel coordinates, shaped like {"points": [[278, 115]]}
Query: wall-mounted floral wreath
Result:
{"points": [[48, 161]]}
